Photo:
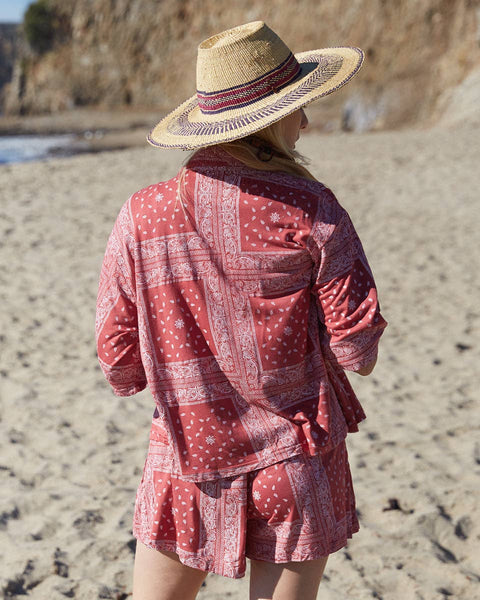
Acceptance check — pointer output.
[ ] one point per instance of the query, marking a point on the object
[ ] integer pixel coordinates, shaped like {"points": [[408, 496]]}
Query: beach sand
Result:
{"points": [[72, 453]]}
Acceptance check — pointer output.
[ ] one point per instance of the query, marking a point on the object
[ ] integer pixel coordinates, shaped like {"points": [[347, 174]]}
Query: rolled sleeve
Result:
{"points": [[116, 324], [346, 294]]}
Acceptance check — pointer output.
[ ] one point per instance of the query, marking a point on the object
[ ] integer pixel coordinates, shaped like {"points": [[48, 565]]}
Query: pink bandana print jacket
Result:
{"points": [[240, 297]]}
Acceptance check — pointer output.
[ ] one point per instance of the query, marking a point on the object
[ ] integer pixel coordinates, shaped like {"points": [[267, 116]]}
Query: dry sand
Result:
{"points": [[72, 453]]}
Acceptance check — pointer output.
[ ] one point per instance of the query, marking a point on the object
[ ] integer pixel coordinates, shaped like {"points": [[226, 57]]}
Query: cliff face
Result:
{"points": [[143, 53], [9, 43]]}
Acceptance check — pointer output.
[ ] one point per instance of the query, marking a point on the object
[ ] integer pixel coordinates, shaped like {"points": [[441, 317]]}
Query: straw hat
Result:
{"points": [[247, 79]]}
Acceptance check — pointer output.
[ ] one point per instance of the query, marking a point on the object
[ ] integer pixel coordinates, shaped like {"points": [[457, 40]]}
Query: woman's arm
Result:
{"points": [[346, 295], [116, 324]]}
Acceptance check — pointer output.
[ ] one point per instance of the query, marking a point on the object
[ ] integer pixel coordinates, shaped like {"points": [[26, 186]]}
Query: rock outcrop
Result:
{"points": [[142, 53]]}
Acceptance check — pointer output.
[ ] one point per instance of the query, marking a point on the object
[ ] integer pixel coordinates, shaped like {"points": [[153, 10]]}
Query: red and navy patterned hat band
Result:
{"points": [[252, 91], [248, 79]]}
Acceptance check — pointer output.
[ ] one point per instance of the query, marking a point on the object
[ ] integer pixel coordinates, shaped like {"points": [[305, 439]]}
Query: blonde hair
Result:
{"points": [[284, 159]]}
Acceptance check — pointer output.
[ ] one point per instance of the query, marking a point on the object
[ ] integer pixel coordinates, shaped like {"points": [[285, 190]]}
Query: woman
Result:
{"points": [[239, 292]]}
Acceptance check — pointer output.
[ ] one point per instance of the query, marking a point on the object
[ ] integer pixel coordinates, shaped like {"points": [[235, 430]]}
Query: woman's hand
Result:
{"points": [[368, 369]]}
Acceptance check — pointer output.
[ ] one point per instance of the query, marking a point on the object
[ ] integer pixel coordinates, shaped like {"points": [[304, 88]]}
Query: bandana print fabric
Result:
{"points": [[299, 509], [240, 297]]}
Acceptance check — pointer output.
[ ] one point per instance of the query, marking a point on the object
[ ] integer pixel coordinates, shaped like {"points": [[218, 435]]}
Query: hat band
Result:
{"points": [[252, 91]]}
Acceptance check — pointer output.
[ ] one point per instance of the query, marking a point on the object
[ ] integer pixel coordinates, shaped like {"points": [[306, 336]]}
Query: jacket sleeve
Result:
{"points": [[345, 291], [116, 323]]}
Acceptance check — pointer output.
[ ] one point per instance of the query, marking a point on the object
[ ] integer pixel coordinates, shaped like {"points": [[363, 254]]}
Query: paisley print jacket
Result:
{"points": [[239, 297]]}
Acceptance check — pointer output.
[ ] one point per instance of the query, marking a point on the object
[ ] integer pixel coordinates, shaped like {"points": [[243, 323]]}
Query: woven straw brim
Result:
{"points": [[322, 72]]}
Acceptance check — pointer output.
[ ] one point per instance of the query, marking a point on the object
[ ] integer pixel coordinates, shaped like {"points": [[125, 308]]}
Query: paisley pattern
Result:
{"points": [[239, 297], [300, 509]]}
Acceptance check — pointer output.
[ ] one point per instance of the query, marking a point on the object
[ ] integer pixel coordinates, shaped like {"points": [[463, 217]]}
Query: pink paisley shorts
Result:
{"points": [[299, 509]]}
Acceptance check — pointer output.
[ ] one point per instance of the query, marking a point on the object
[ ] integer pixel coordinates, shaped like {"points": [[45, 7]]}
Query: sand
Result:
{"points": [[72, 453]]}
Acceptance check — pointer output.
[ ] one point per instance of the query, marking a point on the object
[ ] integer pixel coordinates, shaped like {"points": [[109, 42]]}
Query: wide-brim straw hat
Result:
{"points": [[247, 79]]}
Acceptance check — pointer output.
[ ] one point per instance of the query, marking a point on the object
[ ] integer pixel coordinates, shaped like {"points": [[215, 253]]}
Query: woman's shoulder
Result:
{"points": [[154, 192], [154, 195], [307, 187], [214, 162], [314, 196]]}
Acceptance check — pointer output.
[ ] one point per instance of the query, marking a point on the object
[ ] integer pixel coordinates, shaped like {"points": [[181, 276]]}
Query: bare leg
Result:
{"points": [[161, 576], [286, 581]]}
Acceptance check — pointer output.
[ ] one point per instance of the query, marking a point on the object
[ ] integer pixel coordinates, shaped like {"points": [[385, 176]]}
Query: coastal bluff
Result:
{"points": [[141, 54], [9, 42]]}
